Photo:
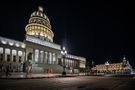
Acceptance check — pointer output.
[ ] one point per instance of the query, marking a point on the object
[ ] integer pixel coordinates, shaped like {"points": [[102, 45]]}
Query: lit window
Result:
{"points": [[1, 50], [4, 42], [35, 27], [7, 51], [17, 45], [14, 52], [11, 43], [41, 15], [23, 45], [37, 13], [19, 53]]}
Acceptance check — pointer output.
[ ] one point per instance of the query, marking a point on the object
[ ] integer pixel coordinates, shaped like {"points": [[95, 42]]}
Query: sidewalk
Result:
{"points": [[22, 75]]}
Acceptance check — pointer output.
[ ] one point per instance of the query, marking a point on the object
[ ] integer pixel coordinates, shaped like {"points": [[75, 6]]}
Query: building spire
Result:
{"points": [[124, 58], [40, 8]]}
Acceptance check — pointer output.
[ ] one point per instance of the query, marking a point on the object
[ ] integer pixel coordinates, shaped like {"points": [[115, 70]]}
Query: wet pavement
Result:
{"points": [[70, 83]]}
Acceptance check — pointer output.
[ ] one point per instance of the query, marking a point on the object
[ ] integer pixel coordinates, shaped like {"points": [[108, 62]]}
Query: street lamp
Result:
{"points": [[64, 53]]}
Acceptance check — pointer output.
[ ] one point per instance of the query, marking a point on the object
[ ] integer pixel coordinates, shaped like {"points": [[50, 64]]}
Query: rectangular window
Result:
{"points": [[8, 57], [1, 57], [14, 58]]}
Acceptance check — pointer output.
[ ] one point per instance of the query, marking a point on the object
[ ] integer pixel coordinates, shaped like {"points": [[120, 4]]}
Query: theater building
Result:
{"points": [[38, 48], [123, 67]]}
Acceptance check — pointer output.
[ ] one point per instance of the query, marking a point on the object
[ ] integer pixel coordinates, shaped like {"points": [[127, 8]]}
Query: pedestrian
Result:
{"points": [[1, 65], [24, 67], [7, 68]]}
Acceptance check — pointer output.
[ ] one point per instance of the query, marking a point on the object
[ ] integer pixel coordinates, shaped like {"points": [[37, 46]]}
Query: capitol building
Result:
{"points": [[38, 48]]}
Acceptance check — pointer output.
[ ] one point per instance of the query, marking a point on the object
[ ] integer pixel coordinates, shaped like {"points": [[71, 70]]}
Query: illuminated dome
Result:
{"points": [[39, 26]]}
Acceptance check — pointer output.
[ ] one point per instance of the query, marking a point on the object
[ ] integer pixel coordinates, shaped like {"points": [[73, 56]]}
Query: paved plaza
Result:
{"points": [[70, 83]]}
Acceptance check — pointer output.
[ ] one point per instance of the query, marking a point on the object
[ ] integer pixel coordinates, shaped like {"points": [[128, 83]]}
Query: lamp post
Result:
{"points": [[64, 52]]}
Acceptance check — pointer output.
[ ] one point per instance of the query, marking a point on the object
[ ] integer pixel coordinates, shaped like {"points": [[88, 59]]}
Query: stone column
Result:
{"points": [[65, 62], [23, 56], [68, 62], [56, 58], [4, 54], [39, 57], [17, 60], [52, 58], [78, 64], [17, 57], [47, 57], [33, 56], [11, 55], [73, 63], [50, 54], [43, 57]]}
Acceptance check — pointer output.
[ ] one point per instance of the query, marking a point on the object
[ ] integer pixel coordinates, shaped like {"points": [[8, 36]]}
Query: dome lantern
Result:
{"points": [[40, 9]]}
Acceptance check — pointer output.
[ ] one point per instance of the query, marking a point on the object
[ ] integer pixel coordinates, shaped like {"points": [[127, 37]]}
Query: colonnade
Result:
{"points": [[12, 58], [8, 54], [45, 57], [70, 63]]}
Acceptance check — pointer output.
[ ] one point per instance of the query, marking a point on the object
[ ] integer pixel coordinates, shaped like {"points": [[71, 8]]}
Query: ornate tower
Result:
{"points": [[39, 26]]}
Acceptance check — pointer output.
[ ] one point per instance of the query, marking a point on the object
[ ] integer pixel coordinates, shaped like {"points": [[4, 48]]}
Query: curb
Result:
{"points": [[36, 77]]}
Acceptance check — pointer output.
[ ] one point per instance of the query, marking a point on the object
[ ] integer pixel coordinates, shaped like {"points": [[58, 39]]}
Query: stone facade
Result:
{"points": [[37, 49], [114, 68]]}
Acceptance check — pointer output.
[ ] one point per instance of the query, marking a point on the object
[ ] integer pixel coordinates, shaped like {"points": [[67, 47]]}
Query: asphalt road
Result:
{"points": [[70, 83]]}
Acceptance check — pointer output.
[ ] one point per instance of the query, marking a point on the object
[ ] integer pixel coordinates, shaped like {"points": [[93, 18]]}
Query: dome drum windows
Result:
{"points": [[39, 26]]}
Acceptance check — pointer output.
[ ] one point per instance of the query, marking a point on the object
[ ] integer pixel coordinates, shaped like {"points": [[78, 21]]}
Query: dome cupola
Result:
{"points": [[39, 26]]}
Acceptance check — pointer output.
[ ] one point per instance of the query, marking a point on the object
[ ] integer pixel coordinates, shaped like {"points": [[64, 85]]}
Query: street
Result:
{"points": [[70, 83]]}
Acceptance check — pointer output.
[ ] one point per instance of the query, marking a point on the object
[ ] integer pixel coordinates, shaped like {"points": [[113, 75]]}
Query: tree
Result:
{"points": [[87, 64], [93, 64]]}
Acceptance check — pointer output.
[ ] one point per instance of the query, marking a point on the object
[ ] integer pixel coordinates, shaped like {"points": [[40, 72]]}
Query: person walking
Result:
{"points": [[7, 68]]}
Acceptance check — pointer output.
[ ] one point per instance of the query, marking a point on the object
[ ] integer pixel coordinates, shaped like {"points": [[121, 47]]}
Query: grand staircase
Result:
{"points": [[42, 68]]}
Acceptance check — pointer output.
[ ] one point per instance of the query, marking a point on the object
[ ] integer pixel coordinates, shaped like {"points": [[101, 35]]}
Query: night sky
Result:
{"points": [[97, 30]]}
